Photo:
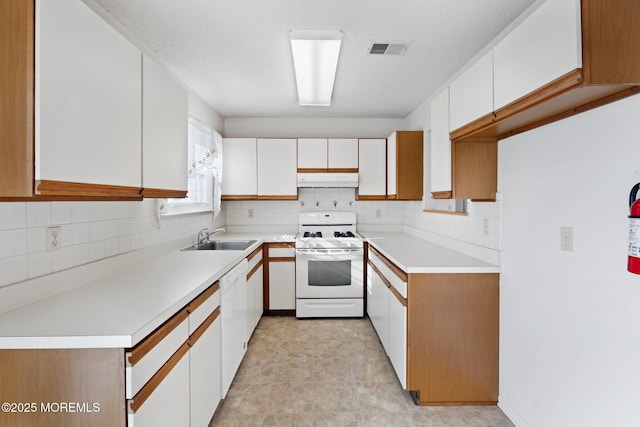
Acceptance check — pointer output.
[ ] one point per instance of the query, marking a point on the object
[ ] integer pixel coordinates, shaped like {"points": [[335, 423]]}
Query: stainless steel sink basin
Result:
{"points": [[222, 245]]}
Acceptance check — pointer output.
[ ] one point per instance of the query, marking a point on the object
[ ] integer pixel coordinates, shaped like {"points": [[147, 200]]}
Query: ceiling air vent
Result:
{"points": [[397, 49]]}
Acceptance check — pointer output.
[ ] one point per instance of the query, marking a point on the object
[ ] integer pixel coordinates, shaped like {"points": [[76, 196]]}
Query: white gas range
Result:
{"points": [[329, 265]]}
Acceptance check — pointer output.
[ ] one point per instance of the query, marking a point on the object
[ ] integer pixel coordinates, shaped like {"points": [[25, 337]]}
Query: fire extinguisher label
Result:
{"points": [[634, 237]]}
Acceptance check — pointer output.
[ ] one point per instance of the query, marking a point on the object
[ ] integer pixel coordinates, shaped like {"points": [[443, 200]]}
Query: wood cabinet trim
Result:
{"points": [[146, 391], [388, 284], [394, 268], [279, 197], [254, 253], [230, 197], [380, 197], [205, 295], [79, 190], [254, 269], [153, 339], [158, 193], [441, 194], [445, 212], [283, 259], [195, 336]]}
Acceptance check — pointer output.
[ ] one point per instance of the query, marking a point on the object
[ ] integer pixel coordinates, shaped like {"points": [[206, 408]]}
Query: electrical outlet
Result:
{"points": [[54, 238], [378, 213], [250, 213], [566, 239], [485, 226]]}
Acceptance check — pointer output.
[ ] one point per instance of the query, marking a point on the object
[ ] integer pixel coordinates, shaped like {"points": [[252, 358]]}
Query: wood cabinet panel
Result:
{"points": [[85, 376], [17, 51], [409, 165], [475, 169], [453, 338]]}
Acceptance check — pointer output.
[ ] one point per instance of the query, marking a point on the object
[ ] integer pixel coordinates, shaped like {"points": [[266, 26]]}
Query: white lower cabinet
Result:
{"points": [[173, 376], [387, 309], [204, 358], [398, 338], [254, 291], [282, 276], [168, 404], [380, 305]]}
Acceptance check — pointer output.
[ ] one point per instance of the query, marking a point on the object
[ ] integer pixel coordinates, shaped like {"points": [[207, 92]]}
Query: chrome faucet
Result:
{"points": [[204, 234]]}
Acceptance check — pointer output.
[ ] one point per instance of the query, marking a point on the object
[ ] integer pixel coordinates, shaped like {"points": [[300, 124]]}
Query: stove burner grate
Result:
{"points": [[343, 234], [312, 234]]}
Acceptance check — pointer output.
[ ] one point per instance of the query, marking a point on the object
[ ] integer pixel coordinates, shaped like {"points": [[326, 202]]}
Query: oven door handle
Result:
{"points": [[344, 254]]}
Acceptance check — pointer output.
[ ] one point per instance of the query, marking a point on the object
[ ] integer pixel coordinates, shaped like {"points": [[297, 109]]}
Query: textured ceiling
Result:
{"points": [[236, 55]]}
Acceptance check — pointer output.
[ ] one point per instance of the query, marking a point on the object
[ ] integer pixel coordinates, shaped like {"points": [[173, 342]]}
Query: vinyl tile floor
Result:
{"points": [[329, 372]]}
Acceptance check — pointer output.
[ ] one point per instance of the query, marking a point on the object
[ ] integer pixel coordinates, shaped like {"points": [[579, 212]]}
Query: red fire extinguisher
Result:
{"points": [[634, 231]]}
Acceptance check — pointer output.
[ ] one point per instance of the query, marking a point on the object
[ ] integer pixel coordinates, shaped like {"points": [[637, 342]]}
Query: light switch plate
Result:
{"points": [[566, 239]]}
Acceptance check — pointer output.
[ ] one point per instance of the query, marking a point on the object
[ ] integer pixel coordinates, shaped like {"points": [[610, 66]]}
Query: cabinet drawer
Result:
{"points": [[282, 252], [201, 307], [255, 258], [387, 272], [146, 358]]}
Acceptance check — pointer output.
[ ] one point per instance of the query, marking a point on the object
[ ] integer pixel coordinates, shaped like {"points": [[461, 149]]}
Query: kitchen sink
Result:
{"points": [[222, 245]]}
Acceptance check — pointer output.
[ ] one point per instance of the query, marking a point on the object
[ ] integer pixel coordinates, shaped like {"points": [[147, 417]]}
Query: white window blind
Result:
{"points": [[204, 171]]}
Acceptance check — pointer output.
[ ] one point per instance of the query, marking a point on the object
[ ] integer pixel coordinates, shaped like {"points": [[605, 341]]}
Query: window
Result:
{"points": [[204, 171]]}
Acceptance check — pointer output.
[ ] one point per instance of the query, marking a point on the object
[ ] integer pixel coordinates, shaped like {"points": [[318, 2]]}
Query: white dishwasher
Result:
{"points": [[233, 306]]}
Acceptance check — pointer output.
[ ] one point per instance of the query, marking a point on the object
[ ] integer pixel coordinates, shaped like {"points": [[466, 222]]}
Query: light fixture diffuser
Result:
{"points": [[315, 60]]}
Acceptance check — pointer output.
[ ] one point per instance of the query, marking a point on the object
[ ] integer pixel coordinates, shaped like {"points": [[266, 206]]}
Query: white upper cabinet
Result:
{"points": [[372, 180], [277, 169], [328, 154], [239, 171], [471, 94], [88, 98], [312, 153], [545, 46], [343, 153], [392, 165], [164, 129], [440, 143]]}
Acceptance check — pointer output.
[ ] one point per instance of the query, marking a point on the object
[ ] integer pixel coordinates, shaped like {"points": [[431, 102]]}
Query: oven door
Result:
{"points": [[329, 273]]}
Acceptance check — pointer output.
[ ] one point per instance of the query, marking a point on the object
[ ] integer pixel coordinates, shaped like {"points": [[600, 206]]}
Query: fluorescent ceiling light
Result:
{"points": [[315, 59]]}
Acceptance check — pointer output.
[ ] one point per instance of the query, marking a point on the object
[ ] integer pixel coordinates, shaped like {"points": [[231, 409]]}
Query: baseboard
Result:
{"points": [[511, 413]]}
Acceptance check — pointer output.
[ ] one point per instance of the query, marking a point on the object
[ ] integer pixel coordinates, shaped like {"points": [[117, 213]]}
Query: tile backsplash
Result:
{"points": [[89, 231], [254, 212]]}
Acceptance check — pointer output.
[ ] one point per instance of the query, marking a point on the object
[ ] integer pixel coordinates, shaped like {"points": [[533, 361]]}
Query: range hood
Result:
{"points": [[327, 179]]}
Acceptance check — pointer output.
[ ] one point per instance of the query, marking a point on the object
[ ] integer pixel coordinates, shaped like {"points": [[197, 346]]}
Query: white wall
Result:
{"points": [[203, 112], [569, 343], [236, 127]]}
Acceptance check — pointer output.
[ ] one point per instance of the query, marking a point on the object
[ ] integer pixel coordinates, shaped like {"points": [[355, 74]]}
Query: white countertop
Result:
{"points": [[415, 255], [121, 309]]}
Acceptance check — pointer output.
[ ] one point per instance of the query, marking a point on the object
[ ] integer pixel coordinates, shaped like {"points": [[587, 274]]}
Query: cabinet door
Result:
{"points": [[471, 94], [312, 153], [168, 404], [277, 169], [392, 163], [252, 290], [164, 129], [440, 146], [380, 306], [398, 338], [205, 368], [282, 285], [372, 156], [343, 154], [88, 99], [258, 301], [545, 46], [239, 169]]}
